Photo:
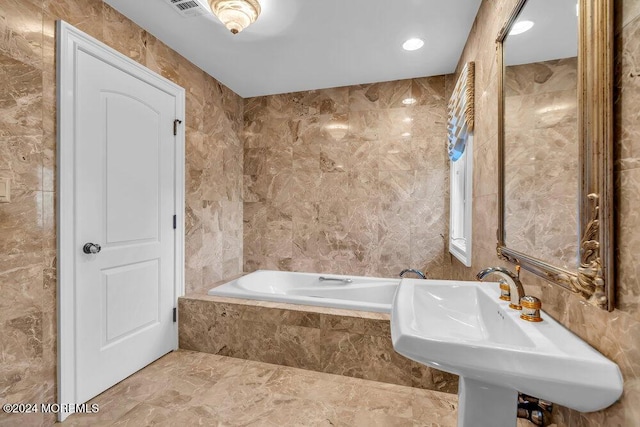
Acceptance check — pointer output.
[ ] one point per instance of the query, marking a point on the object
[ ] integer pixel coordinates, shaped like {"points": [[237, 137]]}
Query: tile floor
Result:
{"points": [[186, 388]]}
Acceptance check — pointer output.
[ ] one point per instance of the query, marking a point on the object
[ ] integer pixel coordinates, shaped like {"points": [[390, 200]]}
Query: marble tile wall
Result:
{"points": [[347, 180], [615, 334], [349, 343], [27, 157], [541, 147]]}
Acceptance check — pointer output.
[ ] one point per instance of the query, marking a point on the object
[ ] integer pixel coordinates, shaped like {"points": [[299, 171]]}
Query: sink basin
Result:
{"points": [[464, 328]]}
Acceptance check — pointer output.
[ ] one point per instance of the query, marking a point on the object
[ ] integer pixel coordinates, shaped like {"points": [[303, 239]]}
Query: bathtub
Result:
{"points": [[325, 290]]}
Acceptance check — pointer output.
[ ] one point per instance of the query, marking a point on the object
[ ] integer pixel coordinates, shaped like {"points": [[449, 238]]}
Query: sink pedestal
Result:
{"points": [[466, 329], [486, 405]]}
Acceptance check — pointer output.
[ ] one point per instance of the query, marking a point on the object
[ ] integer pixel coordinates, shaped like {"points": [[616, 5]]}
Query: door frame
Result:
{"points": [[69, 42]]}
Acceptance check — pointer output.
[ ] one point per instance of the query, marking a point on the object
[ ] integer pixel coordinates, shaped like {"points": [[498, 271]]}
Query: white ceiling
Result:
{"points": [[554, 34], [311, 44]]}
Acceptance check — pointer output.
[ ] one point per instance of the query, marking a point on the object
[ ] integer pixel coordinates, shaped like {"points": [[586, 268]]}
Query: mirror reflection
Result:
{"points": [[541, 141]]}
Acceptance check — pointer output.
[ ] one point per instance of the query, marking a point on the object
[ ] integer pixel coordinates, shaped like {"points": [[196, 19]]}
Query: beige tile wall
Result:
{"points": [[541, 149], [347, 180], [27, 157], [616, 334]]}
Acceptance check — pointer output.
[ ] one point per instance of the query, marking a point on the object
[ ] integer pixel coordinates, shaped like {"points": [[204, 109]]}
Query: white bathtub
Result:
{"points": [[325, 290]]}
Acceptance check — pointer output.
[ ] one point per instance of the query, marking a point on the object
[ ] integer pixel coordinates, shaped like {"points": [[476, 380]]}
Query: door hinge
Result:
{"points": [[175, 222], [176, 122], [175, 314]]}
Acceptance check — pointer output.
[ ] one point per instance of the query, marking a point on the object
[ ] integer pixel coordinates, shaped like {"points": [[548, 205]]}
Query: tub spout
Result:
{"points": [[414, 271]]}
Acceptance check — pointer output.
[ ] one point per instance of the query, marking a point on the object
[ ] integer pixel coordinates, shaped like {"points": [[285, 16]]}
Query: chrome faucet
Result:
{"points": [[516, 290], [414, 271]]}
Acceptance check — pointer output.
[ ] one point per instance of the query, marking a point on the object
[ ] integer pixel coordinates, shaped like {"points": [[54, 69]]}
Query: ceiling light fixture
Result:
{"points": [[413, 44], [236, 15], [409, 101], [520, 27]]}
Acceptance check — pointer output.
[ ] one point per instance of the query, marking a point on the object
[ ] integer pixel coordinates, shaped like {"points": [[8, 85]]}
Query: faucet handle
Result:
{"points": [[505, 291], [531, 309]]}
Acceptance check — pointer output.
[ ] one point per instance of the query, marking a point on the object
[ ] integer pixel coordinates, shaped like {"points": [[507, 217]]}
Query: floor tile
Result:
{"points": [[192, 388]]}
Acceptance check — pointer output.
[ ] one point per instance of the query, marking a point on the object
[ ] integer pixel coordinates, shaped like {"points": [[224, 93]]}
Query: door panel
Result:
{"points": [[130, 299], [132, 210], [125, 198]]}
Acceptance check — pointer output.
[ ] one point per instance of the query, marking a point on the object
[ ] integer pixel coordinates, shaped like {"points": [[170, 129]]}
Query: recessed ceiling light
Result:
{"points": [[413, 44], [520, 27], [407, 119], [406, 135], [409, 101]]}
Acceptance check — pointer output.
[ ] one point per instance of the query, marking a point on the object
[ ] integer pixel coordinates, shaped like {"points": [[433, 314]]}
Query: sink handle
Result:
{"points": [[505, 291], [531, 309]]}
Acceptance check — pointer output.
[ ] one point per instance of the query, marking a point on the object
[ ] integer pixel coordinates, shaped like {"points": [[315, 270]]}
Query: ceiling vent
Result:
{"points": [[188, 8]]}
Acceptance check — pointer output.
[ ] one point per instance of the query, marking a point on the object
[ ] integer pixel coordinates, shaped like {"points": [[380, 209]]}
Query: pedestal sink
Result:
{"points": [[463, 328]]}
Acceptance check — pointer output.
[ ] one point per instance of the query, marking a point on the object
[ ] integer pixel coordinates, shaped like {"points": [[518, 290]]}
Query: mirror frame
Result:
{"points": [[594, 277]]}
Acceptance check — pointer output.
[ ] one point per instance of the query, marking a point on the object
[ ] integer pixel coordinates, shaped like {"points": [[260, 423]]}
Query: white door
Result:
{"points": [[124, 228]]}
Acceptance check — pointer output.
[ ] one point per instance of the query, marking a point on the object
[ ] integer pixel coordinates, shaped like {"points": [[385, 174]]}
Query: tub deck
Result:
{"points": [[338, 341]]}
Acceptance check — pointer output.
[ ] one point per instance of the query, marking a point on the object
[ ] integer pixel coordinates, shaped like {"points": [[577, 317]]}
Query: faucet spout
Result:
{"points": [[516, 289], [414, 271]]}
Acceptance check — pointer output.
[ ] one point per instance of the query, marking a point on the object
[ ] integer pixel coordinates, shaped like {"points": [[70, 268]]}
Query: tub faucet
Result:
{"points": [[414, 271], [516, 290]]}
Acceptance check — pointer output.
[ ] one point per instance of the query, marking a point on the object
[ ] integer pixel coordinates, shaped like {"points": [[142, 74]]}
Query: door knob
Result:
{"points": [[91, 248]]}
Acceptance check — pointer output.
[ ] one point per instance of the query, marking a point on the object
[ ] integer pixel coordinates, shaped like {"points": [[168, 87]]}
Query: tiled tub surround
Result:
{"points": [[350, 343], [348, 180]]}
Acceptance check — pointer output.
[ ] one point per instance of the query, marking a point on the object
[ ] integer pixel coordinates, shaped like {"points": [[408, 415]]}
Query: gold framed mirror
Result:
{"points": [[555, 117]]}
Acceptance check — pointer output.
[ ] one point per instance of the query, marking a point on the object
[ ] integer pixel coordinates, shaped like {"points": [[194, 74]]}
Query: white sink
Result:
{"points": [[463, 328]]}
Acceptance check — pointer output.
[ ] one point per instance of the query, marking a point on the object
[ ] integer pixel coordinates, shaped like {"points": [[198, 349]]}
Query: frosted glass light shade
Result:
{"points": [[236, 15]]}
